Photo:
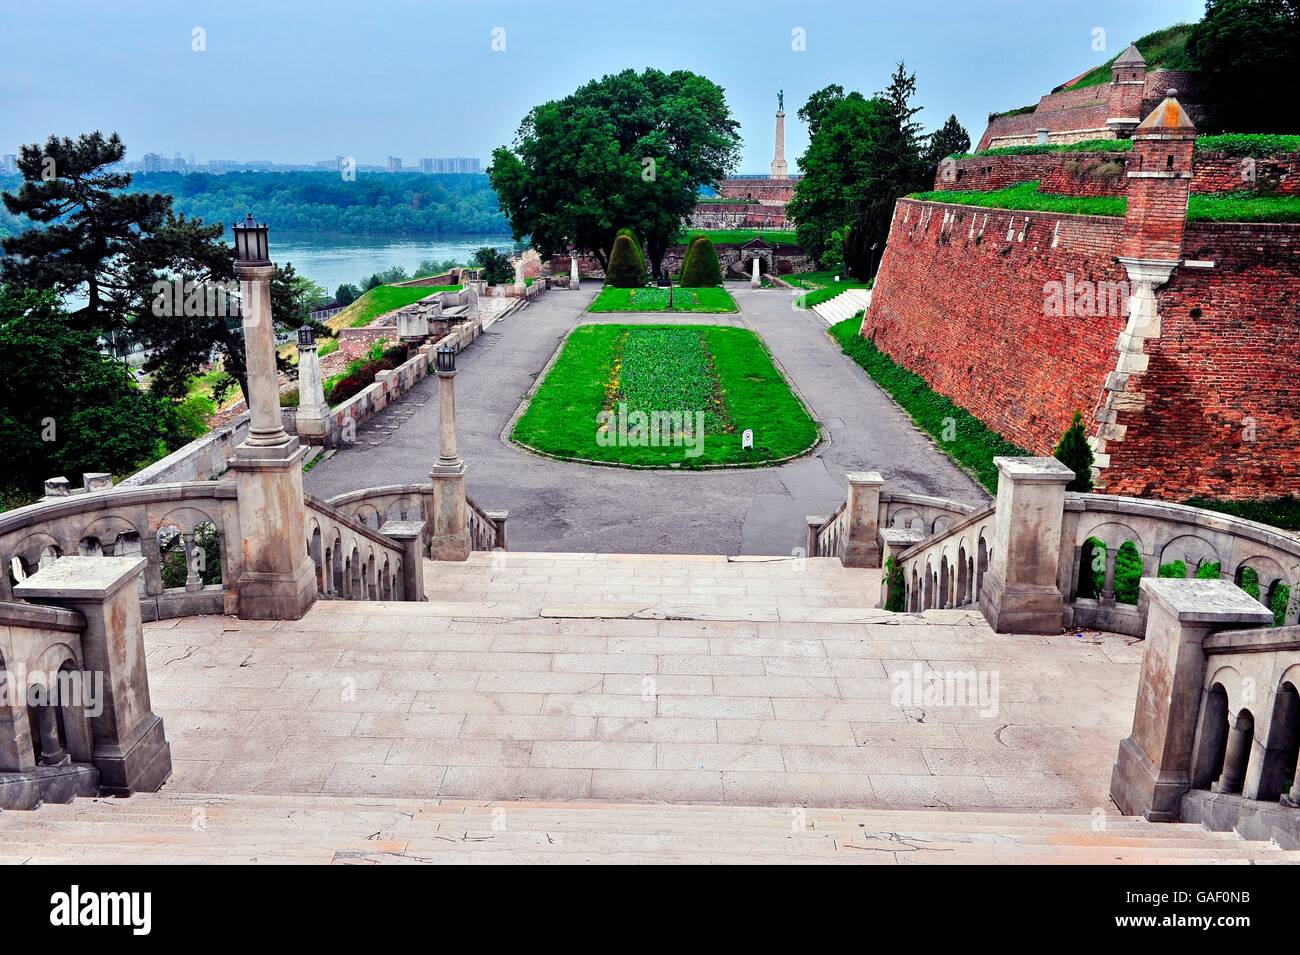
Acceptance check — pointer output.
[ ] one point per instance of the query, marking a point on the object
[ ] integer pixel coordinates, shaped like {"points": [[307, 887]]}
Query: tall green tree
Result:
{"points": [[1075, 453], [99, 243], [863, 155], [65, 408], [630, 149], [1247, 51], [949, 139]]}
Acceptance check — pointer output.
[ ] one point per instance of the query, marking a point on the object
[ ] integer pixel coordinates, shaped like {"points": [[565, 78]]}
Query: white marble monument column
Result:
{"points": [[313, 412]]}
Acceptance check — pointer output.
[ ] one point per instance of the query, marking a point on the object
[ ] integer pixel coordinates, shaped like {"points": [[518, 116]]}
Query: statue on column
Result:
{"points": [[780, 101]]}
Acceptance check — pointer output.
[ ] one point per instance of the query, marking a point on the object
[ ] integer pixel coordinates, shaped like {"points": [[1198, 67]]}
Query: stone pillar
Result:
{"points": [[277, 580], [1236, 755], [47, 722], [410, 534], [1153, 768], [862, 548], [814, 522], [130, 749], [1020, 593], [573, 271], [521, 284], [449, 539], [313, 418], [755, 279], [498, 519]]}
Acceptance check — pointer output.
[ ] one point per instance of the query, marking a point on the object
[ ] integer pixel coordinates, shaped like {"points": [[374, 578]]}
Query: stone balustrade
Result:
{"points": [[375, 507], [75, 711], [1074, 558], [1216, 729]]}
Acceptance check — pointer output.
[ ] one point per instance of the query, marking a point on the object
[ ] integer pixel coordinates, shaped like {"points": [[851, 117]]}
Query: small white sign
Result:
{"points": [[747, 439]]}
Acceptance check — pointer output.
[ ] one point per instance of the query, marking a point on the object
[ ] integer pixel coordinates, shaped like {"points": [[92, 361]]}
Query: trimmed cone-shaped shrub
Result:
{"points": [[1074, 453], [626, 269], [700, 266], [636, 244]]}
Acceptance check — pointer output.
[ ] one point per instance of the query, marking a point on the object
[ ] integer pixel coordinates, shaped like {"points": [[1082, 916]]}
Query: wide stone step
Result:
{"points": [[163, 827]]}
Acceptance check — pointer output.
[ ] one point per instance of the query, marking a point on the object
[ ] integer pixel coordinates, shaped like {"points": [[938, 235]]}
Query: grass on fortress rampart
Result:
{"points": [[684, 374], [382, 299], [1261, 145], [1216, 207], [956, 432]]}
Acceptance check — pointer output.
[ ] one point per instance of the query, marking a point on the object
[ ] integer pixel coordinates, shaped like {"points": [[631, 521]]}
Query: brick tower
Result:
{"points": [[1159, 180]]}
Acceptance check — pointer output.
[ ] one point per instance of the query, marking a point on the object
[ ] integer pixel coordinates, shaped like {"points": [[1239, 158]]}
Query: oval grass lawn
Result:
{"points": [[665, 396]]}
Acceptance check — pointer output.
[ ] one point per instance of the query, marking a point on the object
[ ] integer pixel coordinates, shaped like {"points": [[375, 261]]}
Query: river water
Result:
{"points": [[333, 260]]}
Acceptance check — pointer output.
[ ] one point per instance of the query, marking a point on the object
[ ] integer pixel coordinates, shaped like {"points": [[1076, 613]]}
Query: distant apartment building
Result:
{"points": [[394, 163], [456, 164], [152, 162], [9, 164]]}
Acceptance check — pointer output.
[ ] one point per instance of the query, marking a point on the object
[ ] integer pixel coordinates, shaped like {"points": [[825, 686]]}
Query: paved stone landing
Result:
{"points": [[765, 683]]}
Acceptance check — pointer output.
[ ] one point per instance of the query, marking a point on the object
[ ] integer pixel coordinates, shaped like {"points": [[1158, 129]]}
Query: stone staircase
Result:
{"points": [[193, 828], [845, 305], [552, 707]]}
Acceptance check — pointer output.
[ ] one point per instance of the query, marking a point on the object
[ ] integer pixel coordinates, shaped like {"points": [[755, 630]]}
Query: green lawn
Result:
{"points": [[1216, 207], [658, 300], [740, 236], [712, 382], [384, 298], [957, 432]]}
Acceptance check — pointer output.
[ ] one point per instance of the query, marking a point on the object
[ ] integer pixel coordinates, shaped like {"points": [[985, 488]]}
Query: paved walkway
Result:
{"points": [[558, 506]]}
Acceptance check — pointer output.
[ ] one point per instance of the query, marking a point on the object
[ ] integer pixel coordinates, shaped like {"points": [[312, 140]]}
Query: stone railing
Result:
{"points": [[1103, 536], [828, 536], [188, 535], [1216, 730], [375, 507], [75, 713], [181, 530], [946, 569], [487, 529], [353, 561]]}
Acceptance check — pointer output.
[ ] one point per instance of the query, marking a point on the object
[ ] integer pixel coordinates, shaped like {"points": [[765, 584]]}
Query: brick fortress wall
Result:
{"points": [[1015, 316]]}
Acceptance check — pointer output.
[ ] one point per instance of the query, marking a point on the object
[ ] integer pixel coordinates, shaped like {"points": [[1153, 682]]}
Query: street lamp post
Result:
{"points": [[449, 539], [277, 580]]}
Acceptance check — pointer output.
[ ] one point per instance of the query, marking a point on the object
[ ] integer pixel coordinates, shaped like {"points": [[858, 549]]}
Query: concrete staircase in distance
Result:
{"points": [[845, 305], [203, 828]]}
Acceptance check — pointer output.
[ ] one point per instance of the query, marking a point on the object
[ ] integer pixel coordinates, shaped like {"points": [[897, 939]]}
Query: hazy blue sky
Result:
{"points": [[295, 81]]}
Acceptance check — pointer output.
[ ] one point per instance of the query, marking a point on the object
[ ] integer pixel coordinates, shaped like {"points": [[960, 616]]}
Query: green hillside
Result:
{"points": [[1164, 50]]}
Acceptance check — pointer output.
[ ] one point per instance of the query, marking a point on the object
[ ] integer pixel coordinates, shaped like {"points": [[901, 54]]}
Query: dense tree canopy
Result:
{"points": [[1247, 51], [630, 149], [65, 408], [862, 155]]}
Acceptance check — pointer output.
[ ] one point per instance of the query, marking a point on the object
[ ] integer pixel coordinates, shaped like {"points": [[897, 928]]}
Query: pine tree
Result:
{"points": [[1073, 451], [626, 266]]}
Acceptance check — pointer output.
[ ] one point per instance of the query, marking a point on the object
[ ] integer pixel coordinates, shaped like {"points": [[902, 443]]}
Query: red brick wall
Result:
{"points": [[967, 313], [1214, 375]]}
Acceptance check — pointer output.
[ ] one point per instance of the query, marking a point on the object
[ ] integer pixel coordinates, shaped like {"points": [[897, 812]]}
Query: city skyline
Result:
{"points": [[394, 94]]}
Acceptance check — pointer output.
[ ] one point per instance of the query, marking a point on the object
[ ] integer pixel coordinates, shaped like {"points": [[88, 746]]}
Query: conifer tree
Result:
{"points": [[1073, 451]]}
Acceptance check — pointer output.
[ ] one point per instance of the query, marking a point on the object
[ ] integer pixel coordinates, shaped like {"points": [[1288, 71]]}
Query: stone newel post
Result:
{"points": [[130, 750], [313, 412], [863, 546], [1020, 594], [1153, 769], [278, 580], [449, 539], [573, 271]]}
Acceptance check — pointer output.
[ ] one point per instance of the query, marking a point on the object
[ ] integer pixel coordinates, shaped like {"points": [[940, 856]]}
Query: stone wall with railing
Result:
{"points": [[376, 506], [189, 536]]}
